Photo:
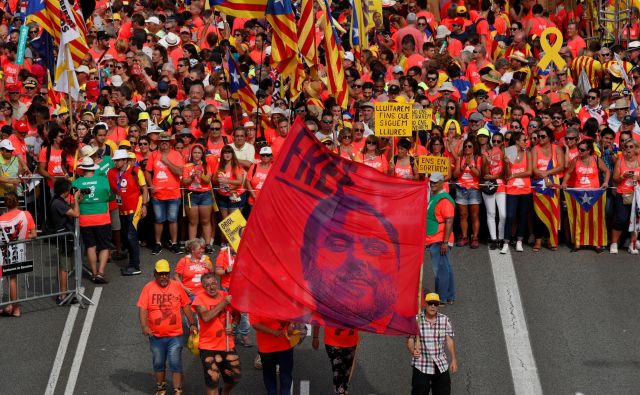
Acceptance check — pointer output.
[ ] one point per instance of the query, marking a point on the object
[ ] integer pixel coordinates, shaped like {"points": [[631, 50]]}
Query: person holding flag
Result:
{"points": [[584, 206], [626, 174], [548, 164], [217, 348]]}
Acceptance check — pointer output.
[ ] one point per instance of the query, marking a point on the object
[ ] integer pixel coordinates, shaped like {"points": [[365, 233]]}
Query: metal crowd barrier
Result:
{"points": [[36, 265]]}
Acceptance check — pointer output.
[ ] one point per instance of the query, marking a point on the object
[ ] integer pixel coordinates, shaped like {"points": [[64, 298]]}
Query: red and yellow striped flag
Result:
{"points": [[284, 41], [239, 8], [585, 209], [307, 34], [337, 83]]}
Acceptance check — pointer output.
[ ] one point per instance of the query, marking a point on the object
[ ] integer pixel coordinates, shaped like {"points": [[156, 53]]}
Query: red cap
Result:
{"points": [[21, 126], [17, 87], [459, 21]]}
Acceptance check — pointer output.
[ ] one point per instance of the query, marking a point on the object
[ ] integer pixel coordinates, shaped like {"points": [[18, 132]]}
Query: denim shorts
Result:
{"points": [[165, 349], [224, 202], [199, 199], [166, 210], [467, 196]]}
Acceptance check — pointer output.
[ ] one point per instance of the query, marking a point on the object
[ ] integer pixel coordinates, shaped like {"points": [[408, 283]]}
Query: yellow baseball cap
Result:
{"points": [[162, 266], [124, 143], [431, 297]]}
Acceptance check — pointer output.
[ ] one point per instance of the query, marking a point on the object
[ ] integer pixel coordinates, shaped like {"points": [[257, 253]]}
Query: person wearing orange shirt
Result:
{"points": [[217, 348], [574, 41], [274, 348], [159, 306], [341, 347], [439, 238], [163, 172]]}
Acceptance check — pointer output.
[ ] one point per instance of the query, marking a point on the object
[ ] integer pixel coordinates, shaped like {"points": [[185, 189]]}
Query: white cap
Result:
{"points": [[116, 80], [6, 144], [468, 48], [249, 125], [82, 69], [153, 19], [220, 25], [164, 102], [398, 69], [120, 154], [348, 56], [266, 151], [633, 45], [278, 110], [87, 164], [442, 32]]}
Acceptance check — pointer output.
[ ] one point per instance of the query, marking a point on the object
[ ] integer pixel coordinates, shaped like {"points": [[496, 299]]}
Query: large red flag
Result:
{"points": [[332, 242]]}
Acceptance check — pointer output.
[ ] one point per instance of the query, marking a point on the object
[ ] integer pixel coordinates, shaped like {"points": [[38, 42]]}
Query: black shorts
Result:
{"points": [[221, 360], [98, 236]]}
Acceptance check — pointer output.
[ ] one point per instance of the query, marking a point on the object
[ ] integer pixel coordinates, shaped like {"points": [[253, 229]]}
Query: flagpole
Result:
{"points": [[417, 342], [226, 86], [258, 112]]}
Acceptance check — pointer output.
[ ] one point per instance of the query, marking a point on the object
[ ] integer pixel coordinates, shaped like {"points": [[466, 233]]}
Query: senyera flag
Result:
{"points": [[332, 242], [586, 212]]}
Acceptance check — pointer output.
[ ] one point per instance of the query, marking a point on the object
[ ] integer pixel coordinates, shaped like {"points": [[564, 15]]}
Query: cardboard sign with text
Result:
{"points": [[429, 164], [232, 227], [393, 119], [422, 119]]}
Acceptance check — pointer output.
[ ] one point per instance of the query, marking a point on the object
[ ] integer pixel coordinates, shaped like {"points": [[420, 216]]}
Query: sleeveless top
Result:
{"points": [[467, 178], [521, 185], [586, 176], [627, 184]]}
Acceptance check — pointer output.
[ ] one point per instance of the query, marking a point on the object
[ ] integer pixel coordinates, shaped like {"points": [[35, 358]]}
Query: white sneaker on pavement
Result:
{"points": [[613, 248], [519, 246], [505, 248], [633, 251]]}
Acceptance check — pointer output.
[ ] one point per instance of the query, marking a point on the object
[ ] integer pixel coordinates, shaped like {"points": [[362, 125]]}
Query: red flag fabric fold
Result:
{"points": [[332, 242]]}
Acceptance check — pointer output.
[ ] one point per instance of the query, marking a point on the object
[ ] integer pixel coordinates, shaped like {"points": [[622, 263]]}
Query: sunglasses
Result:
{"points": [[570, 138], [451, 108], [267, 155], [347, 137], [513, 29], [433, 304], [557, 118], [327, 122], [178, 123], [371, 143], [432, 78], [468, 146], [328, 143], [630, 146], [143, 144], [542, 136], [357, 86], [583, 149], [592, 97], [496, 141]]}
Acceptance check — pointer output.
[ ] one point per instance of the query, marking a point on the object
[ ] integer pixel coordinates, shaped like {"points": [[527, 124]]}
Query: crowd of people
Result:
{"points": [[157, 141]]}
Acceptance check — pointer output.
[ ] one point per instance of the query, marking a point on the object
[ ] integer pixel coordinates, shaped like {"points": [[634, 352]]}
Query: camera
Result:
{"points": [[84, 191]]}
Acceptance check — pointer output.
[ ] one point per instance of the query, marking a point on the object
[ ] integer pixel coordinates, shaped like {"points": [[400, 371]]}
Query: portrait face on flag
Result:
{"points": [[332, 242], [351, 260]]}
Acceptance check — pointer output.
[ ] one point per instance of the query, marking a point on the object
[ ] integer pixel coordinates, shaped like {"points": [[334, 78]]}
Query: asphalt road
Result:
{"points": [[581, 311]]}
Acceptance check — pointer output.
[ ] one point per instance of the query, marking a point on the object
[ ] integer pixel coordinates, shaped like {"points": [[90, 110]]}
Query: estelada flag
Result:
{"points": [[332, 242], [585, 209]]}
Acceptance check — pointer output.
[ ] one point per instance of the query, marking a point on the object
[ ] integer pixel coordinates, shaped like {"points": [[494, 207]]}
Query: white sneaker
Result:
{"points": [[519, 246], [505, 248], [633, 251], [613, 248], [637, 244]]}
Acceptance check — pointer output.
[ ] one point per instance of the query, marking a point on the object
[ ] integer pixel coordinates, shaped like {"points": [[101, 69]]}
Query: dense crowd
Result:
{"points": [[159, 148]]}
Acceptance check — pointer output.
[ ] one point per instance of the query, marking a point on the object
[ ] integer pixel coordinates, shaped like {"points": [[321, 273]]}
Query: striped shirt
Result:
{"points": [[432, 344]]}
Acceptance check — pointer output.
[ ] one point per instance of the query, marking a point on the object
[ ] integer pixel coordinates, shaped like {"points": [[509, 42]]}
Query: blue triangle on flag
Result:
{"points": [[586, 198]]}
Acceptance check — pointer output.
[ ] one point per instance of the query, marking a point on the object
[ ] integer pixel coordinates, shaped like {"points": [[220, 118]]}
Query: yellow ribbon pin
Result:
{"points": [[551, 53]]}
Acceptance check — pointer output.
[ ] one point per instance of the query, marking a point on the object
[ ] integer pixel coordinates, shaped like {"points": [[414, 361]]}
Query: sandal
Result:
{"points": [[100, 279], [536, 249], [11, 311]]}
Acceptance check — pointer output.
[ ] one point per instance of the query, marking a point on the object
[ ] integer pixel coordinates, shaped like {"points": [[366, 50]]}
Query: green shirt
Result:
{"points": [[94, 207]]}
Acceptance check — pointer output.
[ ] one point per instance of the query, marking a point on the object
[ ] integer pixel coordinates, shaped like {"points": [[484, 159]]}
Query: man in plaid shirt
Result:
{"points": [[430, 365]]}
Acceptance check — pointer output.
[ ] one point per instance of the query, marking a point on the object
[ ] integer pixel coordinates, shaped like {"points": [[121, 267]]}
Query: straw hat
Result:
{"points": [[519, 56]]}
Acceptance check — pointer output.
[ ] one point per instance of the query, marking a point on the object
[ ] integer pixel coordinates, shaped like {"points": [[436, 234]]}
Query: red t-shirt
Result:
{"points": [[268, 342], [443, 210], [166, 185], [340, 337], [223, 261], [192, 270], [163, 306], [213, 334]]}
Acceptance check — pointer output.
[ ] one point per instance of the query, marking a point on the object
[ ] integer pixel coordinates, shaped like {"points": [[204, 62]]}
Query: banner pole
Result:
{"points": [[417, 342], [353, 365], [226, 332]]}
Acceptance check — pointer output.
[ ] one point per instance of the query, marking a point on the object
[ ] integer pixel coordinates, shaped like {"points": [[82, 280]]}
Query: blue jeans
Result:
{"points": [[518, 206], [443, 273], [244, 326], [269, 362], [166, 210], [165, 349], [126, 221]]}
